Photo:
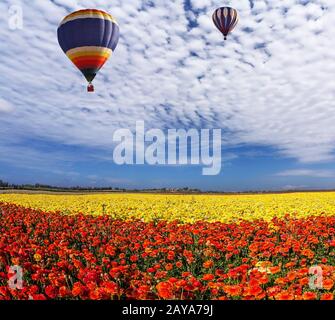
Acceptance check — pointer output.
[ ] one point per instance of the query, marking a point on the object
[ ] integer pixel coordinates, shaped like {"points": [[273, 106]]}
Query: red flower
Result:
{"points": [[82, 255], [77, 289], [38, 297], [51, 292], [95, 294], [181, 283], [133, 258], [332, 243], [64, 292], [173, 280]]}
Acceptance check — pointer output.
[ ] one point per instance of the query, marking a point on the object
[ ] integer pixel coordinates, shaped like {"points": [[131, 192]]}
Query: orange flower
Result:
{"points": [[77, 263], [327, 296], [16, 261], [289, 264], [77, 250], [165, 290], [308, 253], [264, 279], [309, 296], [304, 281], [208, 277], [274, 270], [77, 289], [328, 284], [168, 266], [272, 291], [95, 294], [291, 276], [284, 295], [280, 281], [233, 290], [261, 296], [208, 264]]}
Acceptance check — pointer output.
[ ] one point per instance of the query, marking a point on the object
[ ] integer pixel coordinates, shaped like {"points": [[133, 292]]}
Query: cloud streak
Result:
{"points": [[307, 173]]}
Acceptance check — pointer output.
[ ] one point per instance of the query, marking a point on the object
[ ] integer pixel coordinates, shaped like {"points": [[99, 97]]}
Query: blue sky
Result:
{"points": [[270, 87]]}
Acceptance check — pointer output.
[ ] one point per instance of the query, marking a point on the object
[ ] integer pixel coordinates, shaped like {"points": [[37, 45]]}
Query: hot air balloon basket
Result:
{"points": [[90, 88]]}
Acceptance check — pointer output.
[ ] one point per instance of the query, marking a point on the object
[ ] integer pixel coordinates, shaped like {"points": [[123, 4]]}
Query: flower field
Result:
{"points": [[186, 208], [168, 247]]}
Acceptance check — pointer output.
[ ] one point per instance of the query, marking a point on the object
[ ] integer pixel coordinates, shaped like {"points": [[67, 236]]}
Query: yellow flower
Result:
{"points": [[37, 257], [186, 208]]}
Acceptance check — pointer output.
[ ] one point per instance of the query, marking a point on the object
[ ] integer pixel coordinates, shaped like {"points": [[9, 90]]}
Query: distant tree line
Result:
{"points": [[4, 184], [46, 187], [38, 186]]}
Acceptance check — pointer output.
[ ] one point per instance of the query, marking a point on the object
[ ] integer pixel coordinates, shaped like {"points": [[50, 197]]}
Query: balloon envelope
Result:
{"points": [[88, 37], [225, 19]]}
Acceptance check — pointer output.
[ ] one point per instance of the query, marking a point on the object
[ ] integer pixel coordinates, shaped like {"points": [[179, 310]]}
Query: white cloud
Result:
{"points": [[307, 173], [5, 106], [272, 83], [290, 187]]}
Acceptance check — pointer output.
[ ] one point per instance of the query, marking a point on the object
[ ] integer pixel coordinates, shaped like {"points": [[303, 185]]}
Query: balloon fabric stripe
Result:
{"points": [[234, 20], [88, 13], [89, 62], [88, 32], [88, 51]]}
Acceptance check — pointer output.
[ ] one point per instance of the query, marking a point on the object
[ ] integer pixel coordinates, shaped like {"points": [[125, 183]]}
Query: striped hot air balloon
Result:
{"points": [[88, 37], [225, 19]]}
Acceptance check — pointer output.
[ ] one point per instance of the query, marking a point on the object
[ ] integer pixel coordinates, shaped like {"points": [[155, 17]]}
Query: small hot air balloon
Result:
{"points": [[225, 19], [88, 37]]}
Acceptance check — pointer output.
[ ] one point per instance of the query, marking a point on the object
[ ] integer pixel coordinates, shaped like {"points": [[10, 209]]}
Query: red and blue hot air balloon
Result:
{"points": [[225, 19], [88, 37]]}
